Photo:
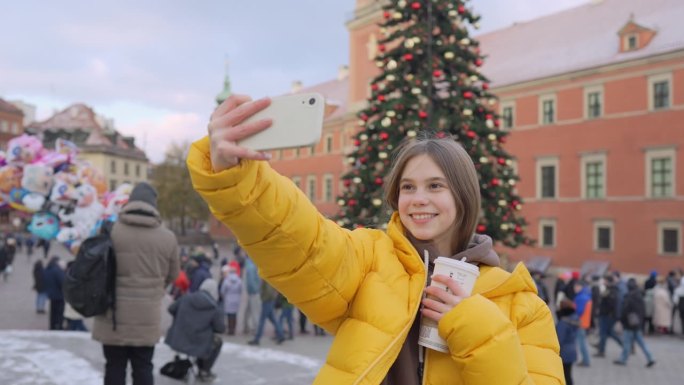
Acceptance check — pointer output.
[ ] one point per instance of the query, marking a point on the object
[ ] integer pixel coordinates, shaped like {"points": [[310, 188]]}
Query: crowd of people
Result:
{"points": [[611, 308]]}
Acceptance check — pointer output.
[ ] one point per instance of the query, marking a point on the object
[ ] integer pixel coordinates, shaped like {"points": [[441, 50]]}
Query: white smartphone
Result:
{"points": [[297, 122]]}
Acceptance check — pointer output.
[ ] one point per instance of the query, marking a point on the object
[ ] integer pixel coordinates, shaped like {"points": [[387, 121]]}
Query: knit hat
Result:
{"points": [[144, 192], [211, 287]]}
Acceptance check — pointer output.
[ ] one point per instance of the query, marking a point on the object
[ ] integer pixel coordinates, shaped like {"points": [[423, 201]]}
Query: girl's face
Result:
{"points": [[427, 208]]}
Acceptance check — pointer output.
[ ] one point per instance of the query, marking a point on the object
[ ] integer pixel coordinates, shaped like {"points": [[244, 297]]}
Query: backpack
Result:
{"points": [[89, 283]]}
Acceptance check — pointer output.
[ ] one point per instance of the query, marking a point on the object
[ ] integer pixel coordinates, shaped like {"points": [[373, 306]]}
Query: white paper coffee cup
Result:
{"points": [[465, 275]]}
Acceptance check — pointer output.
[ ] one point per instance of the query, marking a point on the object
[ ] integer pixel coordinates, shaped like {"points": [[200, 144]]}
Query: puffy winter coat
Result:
{"points": [[196, 317], [146, 262], [231, 293], [365, 287]]}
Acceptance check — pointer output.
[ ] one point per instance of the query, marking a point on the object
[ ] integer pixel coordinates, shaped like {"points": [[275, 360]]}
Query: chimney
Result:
{"points": [[342, 72], [296, 86]]}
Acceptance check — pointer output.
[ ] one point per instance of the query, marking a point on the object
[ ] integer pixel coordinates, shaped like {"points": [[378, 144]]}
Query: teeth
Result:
{"points": [[422, 216]]}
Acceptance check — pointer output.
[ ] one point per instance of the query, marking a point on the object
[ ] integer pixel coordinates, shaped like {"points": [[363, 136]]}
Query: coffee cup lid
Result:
{"points": [[458, 264]]}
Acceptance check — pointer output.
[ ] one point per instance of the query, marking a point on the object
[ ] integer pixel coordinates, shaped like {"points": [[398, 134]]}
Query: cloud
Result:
{"points": [[156, 135]]}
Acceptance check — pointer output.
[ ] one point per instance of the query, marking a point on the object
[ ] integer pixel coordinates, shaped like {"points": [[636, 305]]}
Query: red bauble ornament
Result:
{"points": [[466, 126], [357, 142], [502, 139], [468, 95], [381, 47], [422, 114], [378, 181], [478, 62], [384, 136], [363, 159], [471, 134], [347, 182], [381, 98], [437, 73], [501, 161], [514, 203], [496, 123], [415, 5], [495, 182], [386, 15], [485, 86], [408, 56], [374, 87], [351, 202], [461, 9], [518, 229], [481, 228], [441, 135], [364, 117], [489, 116]]}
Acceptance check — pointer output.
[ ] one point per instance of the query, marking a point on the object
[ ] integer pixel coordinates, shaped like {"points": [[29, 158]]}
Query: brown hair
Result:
{"points": [[461, 177]]}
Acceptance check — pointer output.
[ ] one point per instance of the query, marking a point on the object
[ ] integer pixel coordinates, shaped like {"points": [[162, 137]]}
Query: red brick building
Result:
{"points": [[11, 123], [594, 99]]}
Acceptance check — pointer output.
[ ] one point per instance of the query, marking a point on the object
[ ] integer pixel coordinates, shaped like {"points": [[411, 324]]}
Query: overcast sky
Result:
{"points": [[156, 66]]}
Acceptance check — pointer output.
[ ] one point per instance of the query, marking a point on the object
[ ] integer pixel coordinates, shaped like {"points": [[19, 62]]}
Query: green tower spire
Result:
{"points": [[223, 95]]}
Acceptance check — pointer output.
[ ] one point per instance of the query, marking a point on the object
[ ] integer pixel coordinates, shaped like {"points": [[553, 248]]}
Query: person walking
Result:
{"points": [[632, 318], [286, 310], [197, 319], [4, 260], [662, 307], [53, 277], [147, 262], [566, 329], [250, 318], [678, 302], [231, 294], [39, 286], [608, 315], [268, 299], [583, 306]]}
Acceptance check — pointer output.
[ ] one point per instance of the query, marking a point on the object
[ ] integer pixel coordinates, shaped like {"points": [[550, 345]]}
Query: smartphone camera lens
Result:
{"points": [[312, 101]]}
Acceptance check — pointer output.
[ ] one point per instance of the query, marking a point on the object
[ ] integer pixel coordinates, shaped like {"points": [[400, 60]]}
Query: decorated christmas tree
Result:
{"points": [[431, 81]]}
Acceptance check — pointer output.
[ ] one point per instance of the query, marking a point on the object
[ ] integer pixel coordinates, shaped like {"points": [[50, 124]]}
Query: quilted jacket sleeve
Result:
{"points": [[492, 348], [315, 263]]}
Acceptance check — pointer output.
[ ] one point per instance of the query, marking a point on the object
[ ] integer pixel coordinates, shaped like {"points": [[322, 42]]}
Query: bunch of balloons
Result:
{"points": [[67, 199]]}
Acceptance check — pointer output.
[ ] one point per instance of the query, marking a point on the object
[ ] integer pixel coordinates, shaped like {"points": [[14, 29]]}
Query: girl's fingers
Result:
{"points": [[244, 111], [242, 131], [453, 286], [229, 104], [443, 295], [433, 315], [437, 306]]}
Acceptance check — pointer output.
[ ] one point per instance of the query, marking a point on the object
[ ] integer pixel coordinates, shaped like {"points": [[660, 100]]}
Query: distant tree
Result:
{"points": [[179, 203]]}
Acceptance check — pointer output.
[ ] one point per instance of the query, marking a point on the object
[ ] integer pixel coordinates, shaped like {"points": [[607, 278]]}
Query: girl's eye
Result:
{"points": [[435, 186], [406, 187]]}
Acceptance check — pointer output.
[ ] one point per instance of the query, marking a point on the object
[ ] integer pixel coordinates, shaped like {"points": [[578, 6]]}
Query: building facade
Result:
{"points": [[594, 101], [11, 123], [115, 155]]}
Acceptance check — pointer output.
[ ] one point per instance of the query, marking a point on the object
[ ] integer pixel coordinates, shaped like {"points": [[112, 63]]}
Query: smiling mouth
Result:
{"points": [[422, 217]]}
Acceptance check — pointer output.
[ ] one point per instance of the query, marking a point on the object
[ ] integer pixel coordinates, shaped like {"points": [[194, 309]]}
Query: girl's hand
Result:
{"points": [[226, 128], [442, 301]]}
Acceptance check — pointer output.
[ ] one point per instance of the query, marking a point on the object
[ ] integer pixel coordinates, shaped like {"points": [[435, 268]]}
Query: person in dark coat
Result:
{"points": [[566, 328], [608, 315], [197, 318], [39, 286], [53, 278], [632, 318], [199, 271]]}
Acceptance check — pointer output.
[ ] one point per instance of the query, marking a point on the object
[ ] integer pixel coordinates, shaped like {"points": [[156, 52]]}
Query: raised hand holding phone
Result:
{"points": [[227, 126]]}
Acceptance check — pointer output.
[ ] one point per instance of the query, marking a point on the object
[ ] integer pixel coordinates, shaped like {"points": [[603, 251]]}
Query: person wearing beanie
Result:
{"points": [[197, 319], [147, 262], [566, 329], [144, 192]]}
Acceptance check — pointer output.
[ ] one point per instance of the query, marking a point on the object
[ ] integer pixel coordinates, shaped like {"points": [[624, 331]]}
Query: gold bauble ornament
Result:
{"points": [[467, 112], [390, 78], [409, 43], [416, 91], [502, 202], [401, 4], [377, 202], [386, 122], [483, 159], [363, 137], [489, 123], [356, 180], [511, 182], [382, 155], [449, 55], [491, 137], [341, 202], [465, 41], [391, 113], [504, 226], [397, 16], [411, 133], [391, 65]]}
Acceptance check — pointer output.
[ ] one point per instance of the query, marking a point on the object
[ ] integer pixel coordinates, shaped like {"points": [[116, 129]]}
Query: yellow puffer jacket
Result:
{"points": [[365, 286]]}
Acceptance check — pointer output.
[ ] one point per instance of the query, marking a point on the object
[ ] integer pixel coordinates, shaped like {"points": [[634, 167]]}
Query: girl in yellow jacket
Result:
{"points": [[366, 287]]}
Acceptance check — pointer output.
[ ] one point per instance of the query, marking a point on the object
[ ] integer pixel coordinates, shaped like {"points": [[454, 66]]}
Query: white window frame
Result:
{"points": [[652, 80], [542, 99], [4, 126], [329, 144], [593, 158], [660, 153], [311, 193], [548, 222], [507, 104], [590, 90], [669, 225], [297, 180], [607, 223], [328, 180], [625, 42], [548, 161]]}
